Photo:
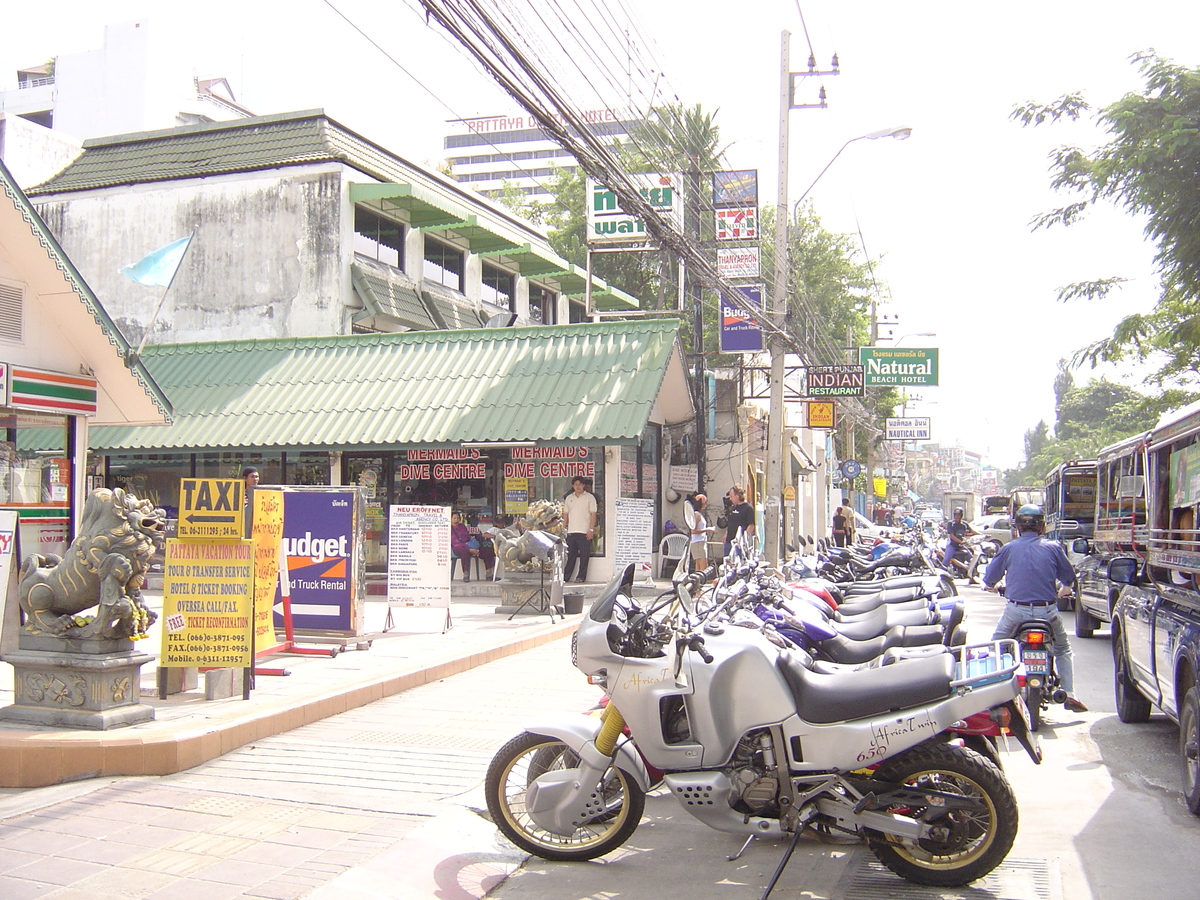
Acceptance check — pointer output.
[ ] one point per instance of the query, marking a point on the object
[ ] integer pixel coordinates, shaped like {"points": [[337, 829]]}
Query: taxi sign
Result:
{"points": [[211, 508]]}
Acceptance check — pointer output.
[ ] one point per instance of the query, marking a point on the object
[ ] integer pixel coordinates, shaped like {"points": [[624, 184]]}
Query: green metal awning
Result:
{"points": [[479, 238], [395, 301], [609, 298], [554, 384], [425, 208], [528, 260]]}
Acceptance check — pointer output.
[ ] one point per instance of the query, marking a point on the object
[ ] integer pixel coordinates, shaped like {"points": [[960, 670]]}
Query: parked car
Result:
{"points": [[997, 527]]}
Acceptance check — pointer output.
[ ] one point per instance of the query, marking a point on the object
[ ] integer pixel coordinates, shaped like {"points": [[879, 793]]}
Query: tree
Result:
{"points": [[1089, 418], [1148, 167]]}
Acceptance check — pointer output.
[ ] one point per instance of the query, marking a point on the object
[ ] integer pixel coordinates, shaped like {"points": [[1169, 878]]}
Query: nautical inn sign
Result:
{"points": [[607, 223], [914, 429], [835, 381], [885, 366]]}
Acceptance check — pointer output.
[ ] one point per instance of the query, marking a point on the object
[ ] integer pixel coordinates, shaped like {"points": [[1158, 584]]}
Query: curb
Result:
{"points": [[40, 758]]}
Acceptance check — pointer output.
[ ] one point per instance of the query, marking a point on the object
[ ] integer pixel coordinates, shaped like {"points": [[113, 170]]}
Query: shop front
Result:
{"points": [[64, 366], [486, 422]]}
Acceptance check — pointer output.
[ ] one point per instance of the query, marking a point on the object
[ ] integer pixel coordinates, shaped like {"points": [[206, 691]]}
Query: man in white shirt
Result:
{"points": [[579, 511]]}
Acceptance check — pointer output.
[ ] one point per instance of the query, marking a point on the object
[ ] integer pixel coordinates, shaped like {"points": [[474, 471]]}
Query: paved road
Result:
{"points": [[384, 801]]}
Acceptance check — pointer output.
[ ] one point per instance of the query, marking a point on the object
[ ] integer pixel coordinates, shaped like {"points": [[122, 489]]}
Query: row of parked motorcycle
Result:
{"points": [[836, 694]]}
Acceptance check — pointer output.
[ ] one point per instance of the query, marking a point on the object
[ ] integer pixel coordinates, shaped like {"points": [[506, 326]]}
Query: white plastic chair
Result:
{"points": [[671, 550]]}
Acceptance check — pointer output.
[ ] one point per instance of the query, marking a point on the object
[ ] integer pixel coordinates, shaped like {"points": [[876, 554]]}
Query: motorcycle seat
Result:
{"points": [[862, 693]]}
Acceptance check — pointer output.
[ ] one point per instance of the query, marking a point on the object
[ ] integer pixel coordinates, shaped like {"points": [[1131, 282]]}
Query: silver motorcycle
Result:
{"points": [[751, 741]]}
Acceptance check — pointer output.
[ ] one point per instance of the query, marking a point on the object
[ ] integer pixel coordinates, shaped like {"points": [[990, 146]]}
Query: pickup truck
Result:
{"points": [[1156, 658]]}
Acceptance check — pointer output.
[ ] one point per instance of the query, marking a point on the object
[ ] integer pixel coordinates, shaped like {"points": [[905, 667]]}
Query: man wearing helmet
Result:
{"points": [[957, 532], [1033, 570]]}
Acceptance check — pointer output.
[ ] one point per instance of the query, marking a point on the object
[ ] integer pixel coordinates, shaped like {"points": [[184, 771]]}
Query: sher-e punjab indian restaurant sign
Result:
{"points": [[885, 366], [835, 381]]}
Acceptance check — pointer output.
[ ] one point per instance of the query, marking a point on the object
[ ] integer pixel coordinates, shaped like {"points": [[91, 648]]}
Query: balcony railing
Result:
{"points": [[35, 82]]}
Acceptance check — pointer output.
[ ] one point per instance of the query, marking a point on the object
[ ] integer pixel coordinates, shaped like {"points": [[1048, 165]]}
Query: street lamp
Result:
{"points": [[772, 514], [900, 133]]}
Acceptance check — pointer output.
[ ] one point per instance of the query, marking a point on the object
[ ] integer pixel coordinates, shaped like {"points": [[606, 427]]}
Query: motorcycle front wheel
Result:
{"points": [[522, 760], [968, 843]]}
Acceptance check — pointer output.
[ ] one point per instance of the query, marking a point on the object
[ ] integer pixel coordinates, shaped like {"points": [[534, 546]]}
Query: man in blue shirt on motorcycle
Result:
{"points": [[1033, 569]]}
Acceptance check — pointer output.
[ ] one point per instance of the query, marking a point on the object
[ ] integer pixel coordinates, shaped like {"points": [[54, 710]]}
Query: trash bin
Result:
{"points": [[572, 603]]}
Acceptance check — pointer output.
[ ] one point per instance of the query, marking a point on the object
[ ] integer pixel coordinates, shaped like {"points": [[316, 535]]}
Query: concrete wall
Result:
{"points": [[270, 257], [32, 153]]}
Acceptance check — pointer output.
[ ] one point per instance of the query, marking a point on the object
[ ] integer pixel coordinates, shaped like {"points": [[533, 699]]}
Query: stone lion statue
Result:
{"points": [[513, 548], [105, 567]]}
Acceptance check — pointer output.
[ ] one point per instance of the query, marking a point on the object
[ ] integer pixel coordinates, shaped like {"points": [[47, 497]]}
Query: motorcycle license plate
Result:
{"points": [[1036, 662]]}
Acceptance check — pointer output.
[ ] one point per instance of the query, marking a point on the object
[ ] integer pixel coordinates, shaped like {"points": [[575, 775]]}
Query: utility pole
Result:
{"points": [[775, 415], [772, 515]]}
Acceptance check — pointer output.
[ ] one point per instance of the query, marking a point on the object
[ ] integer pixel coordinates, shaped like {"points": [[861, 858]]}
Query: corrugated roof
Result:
{"points": [[593, 383]]}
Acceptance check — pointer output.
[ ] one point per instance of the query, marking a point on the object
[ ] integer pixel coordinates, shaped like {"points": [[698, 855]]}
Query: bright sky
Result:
{"points": [[944, 215]]}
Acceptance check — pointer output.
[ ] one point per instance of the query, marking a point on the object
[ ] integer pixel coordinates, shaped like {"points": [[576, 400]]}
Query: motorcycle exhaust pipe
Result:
{"points": [[1059, 696]]}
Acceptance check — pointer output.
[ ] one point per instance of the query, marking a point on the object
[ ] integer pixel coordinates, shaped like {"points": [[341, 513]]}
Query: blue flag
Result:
{"points": [[158, 268]]}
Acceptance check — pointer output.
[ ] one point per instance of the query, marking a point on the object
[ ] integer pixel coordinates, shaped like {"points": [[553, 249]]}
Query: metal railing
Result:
{"points": [[35, 82]]}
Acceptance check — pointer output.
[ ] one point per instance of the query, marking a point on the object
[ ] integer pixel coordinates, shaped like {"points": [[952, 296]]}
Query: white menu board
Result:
{"points": [[635, 533], [419, 557]]}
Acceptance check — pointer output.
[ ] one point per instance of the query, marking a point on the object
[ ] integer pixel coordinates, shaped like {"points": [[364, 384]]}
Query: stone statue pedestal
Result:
{"points": [[529, 592], [94, 687]]}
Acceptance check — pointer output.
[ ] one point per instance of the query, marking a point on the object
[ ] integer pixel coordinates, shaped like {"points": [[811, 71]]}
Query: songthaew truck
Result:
{"points": [[952, 500]]}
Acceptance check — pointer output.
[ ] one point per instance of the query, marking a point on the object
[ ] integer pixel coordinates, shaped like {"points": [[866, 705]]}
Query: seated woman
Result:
{"points": [[464, 544]]}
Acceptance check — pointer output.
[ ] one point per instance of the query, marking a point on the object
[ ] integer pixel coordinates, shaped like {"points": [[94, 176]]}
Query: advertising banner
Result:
{"points": [[737, 223], [607, 223], [887, 366], [819, 414], [740, 332], [738, 262], [207, 603], [735, 188], [635, 532], [211, 508], [266, 533], [835, 381], [318, 542], [516, 495], [418, 573], [910, 429]]}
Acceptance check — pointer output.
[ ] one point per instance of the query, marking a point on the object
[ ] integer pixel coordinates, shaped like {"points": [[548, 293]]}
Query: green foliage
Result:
{"points": [[1089, 418], [1149, 167]]}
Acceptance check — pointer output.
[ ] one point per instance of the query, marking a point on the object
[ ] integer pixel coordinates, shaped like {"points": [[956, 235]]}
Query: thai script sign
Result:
{"points": [[607, 223], [835, 381], [887, 366], [738, 262], [913, 429], [740, 331]]}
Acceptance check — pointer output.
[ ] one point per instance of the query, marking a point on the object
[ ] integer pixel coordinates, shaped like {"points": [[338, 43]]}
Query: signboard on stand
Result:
{"points": [[322, 540], [266, 533], [207, 611], [635, 533], [419, 557]]}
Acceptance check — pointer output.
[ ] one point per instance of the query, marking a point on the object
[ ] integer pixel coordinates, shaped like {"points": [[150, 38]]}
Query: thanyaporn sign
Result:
{"points": [[835, 381]]}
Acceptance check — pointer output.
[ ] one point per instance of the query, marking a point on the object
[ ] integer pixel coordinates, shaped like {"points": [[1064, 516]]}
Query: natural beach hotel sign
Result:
{"points": [[884, 366]]}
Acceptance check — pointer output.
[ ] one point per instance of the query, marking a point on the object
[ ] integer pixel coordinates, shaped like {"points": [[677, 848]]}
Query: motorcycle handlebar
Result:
{"points": [[696, 642]]}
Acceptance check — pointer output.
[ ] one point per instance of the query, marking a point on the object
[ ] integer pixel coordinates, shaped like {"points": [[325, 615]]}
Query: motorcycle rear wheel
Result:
{"points": [[1033, 700], [975, 842], [524, 758]]}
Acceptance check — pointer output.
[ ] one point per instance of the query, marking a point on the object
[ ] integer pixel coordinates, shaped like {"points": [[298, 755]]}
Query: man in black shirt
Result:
{"points": [[740, 516]]}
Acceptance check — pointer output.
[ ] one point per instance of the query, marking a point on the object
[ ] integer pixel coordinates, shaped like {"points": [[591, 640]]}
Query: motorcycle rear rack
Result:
{"points": [[984, 663]]}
